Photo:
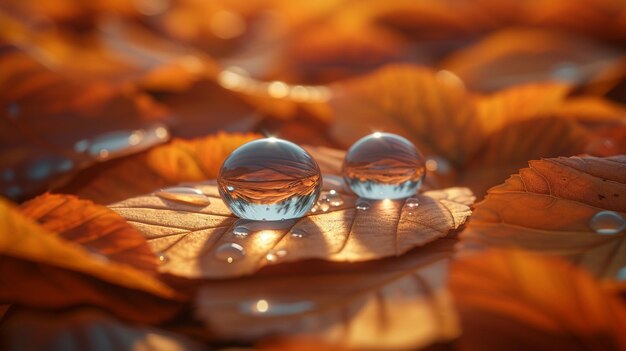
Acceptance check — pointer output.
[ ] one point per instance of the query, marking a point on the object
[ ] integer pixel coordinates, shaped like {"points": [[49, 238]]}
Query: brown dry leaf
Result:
{"points": [[196, 241], [513, 300], [549, 207], [179, 161], [94, 227], [395, 303], [62, 272], [521, 55], [85, 329]]}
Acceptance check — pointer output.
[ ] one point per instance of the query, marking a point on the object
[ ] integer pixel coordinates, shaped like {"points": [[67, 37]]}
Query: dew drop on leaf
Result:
{"points": [[384, 166], [241, 231], [607, 223], [229, 252], [271, 179], [183, 194]]}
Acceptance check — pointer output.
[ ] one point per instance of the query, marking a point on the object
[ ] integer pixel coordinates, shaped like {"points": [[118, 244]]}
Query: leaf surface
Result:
{"points": [[549, 207], [191, 236]]}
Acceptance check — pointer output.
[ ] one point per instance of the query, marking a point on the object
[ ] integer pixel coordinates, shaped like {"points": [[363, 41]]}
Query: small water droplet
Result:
{"points": [[13, 110], [362, 205], [275, 255], [81, 146], [412, 202], [162, 257], [315, 209], [607, 223], [298, 233], [384, 166], [333, 198], [621, 274], [186, 195], [281, 180], [263, 307], [229, 252], [241, 231], [324, 206]]}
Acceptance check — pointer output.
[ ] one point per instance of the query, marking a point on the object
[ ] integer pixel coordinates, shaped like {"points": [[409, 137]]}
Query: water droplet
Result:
{"points": [[384, 166], [230, 252], [162, 258], [315, 209], [183, 194], [621, 274], [241, 231], [272, 179], [333, 198], [607, 222], [263, 307], [13, 110], [362, 205], [412, 202], [323, 206], [275, 255], [298, 233], [81, 146]]}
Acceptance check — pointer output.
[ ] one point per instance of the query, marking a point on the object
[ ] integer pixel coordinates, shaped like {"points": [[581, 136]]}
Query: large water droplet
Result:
{"points": [[271, 179], [263, 307], [607, 222], [384, 166], [185, 195], [362, 205], [229, 252], [241, 231]]}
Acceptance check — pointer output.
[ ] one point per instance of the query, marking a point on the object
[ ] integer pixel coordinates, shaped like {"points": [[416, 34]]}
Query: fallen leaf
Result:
{"points": [[514, 300], [521, 55], [549, 208], [64, 273], [179, 161], [94, 227], [191, 237], [400, 303], [85, 329]]}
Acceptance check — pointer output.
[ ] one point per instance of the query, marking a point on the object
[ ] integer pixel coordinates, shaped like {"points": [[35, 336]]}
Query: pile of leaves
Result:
{"points": [[517, 241]]}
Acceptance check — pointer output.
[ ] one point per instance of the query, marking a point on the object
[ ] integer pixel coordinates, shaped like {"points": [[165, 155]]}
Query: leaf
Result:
{"points": [[189, 235], [401, 302], [85, 329], [179, 161], [63, 273], [510, 299], [96, 228], [521, 55], [548, 208]]}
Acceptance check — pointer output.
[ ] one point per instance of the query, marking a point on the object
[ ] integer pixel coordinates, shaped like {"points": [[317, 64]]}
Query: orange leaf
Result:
{"points": [[513, 300], [553, 207], [191, 236], [65, 273]]}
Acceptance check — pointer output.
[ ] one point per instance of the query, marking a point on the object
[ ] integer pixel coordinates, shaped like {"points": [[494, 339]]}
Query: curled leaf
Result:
{"points": [[61, 272], [510, 299], [572, 207], [400, 303], [191, 236]]}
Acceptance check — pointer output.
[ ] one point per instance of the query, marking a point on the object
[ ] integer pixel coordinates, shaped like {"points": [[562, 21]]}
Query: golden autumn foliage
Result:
{"points": [[105, 106]]}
